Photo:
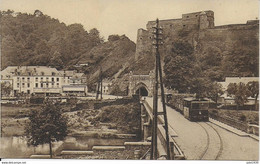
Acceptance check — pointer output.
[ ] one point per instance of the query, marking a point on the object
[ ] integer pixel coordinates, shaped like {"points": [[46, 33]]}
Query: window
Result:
{"points": [[36, 85], [18, 78], [52, 79], [187, 16], [23, 79], [53, 73], [18, 85], [47, 79], [52, 85], [42, 73], [23, 85], [58, 79], [41, 78], [47, 85], [28, 78], [36, 79], [58, 84], [184, 25], [41, 85], [28, 85]]}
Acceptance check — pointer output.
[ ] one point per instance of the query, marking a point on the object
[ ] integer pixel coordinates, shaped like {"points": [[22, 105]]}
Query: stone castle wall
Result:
{"points": [[201, 32], [228, 37]]}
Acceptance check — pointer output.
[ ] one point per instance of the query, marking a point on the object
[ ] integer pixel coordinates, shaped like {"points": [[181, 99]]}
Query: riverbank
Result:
{"points": [[90, 122]]}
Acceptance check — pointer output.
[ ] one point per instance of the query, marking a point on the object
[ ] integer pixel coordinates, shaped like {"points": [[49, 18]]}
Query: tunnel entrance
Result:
{"points": [[142, 91]]}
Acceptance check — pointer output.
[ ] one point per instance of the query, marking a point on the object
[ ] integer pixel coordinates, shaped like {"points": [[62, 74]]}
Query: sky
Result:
{"points": [[127, 16]]}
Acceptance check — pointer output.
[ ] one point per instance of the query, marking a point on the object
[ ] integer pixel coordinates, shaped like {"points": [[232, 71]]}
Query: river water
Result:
{"points": [[16, 146]]}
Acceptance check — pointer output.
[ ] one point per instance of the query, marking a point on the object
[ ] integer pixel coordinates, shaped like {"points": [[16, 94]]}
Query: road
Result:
{"points": [[104, 96], [205, 140]]}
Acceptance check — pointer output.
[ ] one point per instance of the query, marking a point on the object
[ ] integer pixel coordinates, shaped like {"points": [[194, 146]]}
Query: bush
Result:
{"points": [[242, 118]]}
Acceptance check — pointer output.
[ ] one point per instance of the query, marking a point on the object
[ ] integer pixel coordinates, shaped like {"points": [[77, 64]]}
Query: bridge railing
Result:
{"points": [[176, 152], [231, 122]]}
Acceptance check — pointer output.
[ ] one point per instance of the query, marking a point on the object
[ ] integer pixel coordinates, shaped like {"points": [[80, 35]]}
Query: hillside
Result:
{"points": [[196, 53], [112, 56], [41, 40], [192, 53]]}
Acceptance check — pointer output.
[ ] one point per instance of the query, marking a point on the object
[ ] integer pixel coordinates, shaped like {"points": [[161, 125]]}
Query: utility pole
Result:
{"points": [[99, 87], [158, 74]]}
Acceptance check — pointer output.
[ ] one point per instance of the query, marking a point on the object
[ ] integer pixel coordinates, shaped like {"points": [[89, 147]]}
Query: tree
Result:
{"points": [[253, 87], [6, 89], [239, 91], [215, 91], [112, 38], [179, 66], [242, 62], [200, 86], [46, 125]]}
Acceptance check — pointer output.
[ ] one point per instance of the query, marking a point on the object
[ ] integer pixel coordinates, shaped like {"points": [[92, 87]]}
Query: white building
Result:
{"points": [[41, 80], [74, 83], [237, 80], [106, 87], [227, 100]]}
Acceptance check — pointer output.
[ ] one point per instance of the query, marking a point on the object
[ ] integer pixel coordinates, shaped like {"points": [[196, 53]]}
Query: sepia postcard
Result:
{"points": [[129, 80]]}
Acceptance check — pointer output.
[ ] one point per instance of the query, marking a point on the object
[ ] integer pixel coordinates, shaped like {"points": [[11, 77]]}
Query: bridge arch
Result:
{"points": [[140, 84], [141, 89]]}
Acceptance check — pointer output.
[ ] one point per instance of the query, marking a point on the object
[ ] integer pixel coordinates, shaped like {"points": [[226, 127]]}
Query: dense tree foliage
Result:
{"points": [[253, 87], [184, 73], [40, 40], [240, 93], [178, 66], [46, 125], [242, 62], [6, 89], [196, 70]]}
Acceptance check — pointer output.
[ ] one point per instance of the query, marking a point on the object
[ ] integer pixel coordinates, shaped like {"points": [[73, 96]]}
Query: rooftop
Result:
{"points": [[30, 71]]}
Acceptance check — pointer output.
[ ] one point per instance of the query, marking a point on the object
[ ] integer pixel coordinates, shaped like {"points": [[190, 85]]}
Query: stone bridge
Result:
{"points": [[140, 84], [146, 131]]}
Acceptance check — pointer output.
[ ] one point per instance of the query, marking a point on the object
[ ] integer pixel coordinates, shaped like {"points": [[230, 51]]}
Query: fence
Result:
{"points": [[231, 122]]}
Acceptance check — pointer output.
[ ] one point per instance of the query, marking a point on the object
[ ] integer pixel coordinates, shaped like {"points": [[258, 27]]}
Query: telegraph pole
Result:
{"points": [[99, 87], [158, 74]]}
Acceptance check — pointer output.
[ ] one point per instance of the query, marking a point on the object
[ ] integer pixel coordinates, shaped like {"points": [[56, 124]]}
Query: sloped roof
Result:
{"points": [[67, 73], [30, 70]]}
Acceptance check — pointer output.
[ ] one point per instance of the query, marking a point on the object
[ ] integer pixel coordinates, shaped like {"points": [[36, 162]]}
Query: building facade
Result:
{"points": [[42, 80], [228, 100]]}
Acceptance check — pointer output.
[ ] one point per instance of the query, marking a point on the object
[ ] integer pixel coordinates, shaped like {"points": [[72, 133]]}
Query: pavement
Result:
{"points": [[233, 130], [192, 139]]}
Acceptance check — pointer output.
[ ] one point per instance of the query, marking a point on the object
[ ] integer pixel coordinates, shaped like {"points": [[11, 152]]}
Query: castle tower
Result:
{"points": [[203, 21]]}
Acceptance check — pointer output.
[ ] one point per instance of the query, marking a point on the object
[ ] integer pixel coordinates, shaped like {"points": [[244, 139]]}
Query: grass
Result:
{"points": [[239, 115]]}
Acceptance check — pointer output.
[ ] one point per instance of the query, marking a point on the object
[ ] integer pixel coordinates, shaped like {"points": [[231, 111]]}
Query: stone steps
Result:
{"points": [[72, 152], [108, 148]]}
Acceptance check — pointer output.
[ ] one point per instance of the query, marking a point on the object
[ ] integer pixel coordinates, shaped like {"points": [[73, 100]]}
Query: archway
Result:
{"points": [[142, 91]]}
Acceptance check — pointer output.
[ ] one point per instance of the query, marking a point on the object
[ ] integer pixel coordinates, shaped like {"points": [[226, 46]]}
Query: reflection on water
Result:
{"points": [[16, 147], [102, 141]]}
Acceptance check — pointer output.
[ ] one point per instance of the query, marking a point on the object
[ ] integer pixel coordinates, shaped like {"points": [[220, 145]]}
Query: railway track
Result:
{"points": [[214, 144]]}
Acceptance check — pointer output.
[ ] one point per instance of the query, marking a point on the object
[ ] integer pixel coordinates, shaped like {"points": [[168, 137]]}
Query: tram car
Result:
{"points": [[192, 108], [196, 109]]}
